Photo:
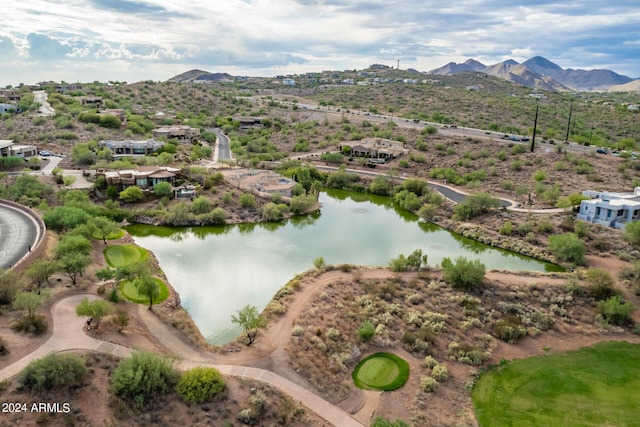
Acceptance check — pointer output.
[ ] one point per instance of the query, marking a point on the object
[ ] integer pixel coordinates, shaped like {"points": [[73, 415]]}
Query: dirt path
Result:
{"points": [[67, 335]]}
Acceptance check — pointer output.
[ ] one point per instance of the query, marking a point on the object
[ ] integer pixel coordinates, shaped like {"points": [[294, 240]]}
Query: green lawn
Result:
{"points": [[381, 371], [112, 236], [594, 386], [120, 255], [129, 291]]}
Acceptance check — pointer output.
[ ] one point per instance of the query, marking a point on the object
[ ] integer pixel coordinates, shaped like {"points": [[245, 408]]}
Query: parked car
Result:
{"points": [[525, 139], [44, 153], [602, 151], [514, 138]]}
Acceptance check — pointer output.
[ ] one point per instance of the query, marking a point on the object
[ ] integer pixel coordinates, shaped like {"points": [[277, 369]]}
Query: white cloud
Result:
{"points": [[254, 36]]}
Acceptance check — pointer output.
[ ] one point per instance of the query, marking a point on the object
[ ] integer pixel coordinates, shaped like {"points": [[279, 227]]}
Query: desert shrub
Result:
{"points": [[506, 229], [467, 354], [52, 372], [142, 377], [545, 226], [440, 373], [509, 329], [463, 273], [615, 310], [4, 348], [632, 233], [366, 331], [568, 247], [200, 384], [36, 324], [600, 283], [429, 362], [474, 205], [428, 384]]}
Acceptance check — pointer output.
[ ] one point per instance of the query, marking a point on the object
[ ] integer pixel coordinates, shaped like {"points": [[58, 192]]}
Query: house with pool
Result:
{"points": [[610, 209]]}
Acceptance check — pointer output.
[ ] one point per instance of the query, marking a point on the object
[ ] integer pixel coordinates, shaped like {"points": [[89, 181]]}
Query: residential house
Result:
{"points": [[179, 132], [118, 112], [9, 96], [92, 101], [132, 148], [144, 177], [610, 209], [377, 148], [261, 181], [289, 82], [8, 148], [248, 122], [9, 108], [633, 107]]}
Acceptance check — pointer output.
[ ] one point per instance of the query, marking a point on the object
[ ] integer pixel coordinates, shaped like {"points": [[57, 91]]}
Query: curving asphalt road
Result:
{"points": [[18, 234]]}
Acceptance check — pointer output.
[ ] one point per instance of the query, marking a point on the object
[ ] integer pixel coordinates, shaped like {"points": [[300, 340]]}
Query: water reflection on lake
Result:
{"points": [[217, 270]]}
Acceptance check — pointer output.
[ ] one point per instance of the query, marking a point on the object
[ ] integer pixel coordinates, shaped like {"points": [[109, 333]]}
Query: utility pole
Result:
{"points": [[535, 126], [398, 64], [566, 139]]}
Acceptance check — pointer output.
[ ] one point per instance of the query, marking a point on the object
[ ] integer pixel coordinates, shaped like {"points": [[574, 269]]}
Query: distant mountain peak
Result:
{"points": [[539, 72], [199, 75]]}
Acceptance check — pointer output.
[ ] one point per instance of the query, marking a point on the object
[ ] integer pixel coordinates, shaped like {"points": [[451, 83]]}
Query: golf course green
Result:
{"points": [[381, 371], [128, 289], [593, 386], [121, 255]]}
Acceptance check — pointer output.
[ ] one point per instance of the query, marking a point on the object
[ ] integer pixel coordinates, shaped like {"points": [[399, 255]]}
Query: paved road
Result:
{"points": [[18, 233], [40, 97], [68, 334], [224, 149], [448, 192]]}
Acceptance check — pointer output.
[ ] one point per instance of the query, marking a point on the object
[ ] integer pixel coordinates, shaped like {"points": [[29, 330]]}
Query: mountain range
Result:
{"points": [[540, 73], [536, 72]]}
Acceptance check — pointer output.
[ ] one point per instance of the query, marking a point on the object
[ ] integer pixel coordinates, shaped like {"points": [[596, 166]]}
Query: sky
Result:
{"points": [[124, 40]]}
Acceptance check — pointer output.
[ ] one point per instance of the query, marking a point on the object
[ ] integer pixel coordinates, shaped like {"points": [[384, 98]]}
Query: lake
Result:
{"points": [[218, 270]]}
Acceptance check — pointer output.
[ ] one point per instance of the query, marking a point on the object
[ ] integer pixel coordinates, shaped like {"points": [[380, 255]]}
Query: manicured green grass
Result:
{"points": [[120, 255], [118, 234], [593, 386], [129, 291], [381, 371]]}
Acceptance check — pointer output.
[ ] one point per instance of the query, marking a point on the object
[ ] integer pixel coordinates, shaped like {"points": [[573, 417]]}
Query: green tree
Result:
{"points": [[65, 217], [271, 212], [73, 264], [54, 371], [104, 226], [568, 247], [381, 185], [131, 194], [162, 189], [632, 233], [147, 285], [416, 259], [30, 302], [302, 204], [40, 271], [72, 244], [463, 273], [199, 385], [319, 262], [615, 310], [96, 309], [9, 286], [143, 377], [250, 320]]}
